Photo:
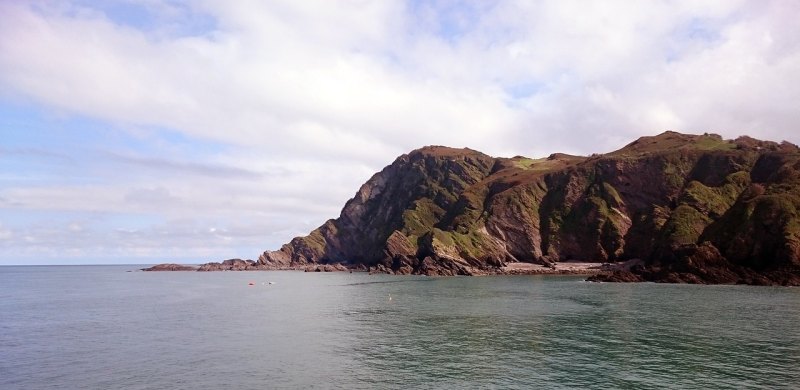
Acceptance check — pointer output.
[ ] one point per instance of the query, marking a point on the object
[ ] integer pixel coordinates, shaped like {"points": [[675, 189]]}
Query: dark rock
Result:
{"points": [[616, 276], [231, 265], [326, 268], [171, 267]]}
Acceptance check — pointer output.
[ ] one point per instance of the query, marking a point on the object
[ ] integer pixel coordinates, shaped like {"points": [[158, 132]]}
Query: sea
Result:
{"points": [[114, 327]]}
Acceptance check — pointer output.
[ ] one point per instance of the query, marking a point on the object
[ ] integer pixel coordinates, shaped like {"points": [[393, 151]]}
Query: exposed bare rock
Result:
{"points": [[230, 265], [326, 268], [616, 276], [171, 267]]}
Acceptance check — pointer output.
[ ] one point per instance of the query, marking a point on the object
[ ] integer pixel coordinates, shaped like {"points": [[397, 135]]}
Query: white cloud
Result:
{"points": [[5, 234], [310, 98]]}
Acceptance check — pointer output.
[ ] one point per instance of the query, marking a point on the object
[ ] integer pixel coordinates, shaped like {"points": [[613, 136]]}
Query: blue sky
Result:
{"points": [[150, 131]]}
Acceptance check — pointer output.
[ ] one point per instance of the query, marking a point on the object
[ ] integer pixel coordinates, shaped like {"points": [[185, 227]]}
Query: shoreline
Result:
{"points": [[619, 272], [557, 268]]}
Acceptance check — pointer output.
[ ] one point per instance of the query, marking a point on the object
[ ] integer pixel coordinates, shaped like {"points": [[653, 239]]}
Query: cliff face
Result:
{"points": [[694, 208]]}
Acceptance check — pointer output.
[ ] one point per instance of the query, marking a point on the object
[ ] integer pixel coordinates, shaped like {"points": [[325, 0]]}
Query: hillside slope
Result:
{"points": [[692, 208]]}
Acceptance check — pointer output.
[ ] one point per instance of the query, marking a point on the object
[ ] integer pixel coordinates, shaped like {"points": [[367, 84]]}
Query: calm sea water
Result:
{"points": [[100, 327]]}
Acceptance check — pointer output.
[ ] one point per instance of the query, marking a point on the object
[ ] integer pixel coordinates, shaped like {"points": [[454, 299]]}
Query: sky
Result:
{"points": [[149, 131]]}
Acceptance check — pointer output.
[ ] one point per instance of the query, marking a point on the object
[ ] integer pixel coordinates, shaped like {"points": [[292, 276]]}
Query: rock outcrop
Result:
{"points": [[170, 267], [232, 265], [693, 208]]}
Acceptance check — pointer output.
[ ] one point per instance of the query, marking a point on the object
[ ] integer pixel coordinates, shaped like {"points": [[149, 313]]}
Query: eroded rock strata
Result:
{"points": [[690, 208]]}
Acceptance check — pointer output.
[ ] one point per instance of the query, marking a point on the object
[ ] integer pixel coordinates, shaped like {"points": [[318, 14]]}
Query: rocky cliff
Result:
{"points": [[693, 208]]}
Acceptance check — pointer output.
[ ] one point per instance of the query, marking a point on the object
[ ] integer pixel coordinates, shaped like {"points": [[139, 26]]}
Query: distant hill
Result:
{"points": [[692, 208]]}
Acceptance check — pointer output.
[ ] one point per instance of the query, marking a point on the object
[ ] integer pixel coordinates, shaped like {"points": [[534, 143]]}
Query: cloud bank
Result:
{"points": [[157, 130]]}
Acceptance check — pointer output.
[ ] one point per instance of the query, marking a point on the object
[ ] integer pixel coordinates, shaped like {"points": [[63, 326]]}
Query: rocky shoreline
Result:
{"points": [[244, 265], [631, 271], [562, 268], [702, 268]]}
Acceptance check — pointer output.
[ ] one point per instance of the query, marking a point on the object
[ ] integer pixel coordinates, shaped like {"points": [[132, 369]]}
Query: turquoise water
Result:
{"points": [[100, 327]]}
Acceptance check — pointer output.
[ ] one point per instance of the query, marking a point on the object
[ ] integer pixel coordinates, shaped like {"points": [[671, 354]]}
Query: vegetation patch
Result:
{"points": [[685, 225], [421, 218]]}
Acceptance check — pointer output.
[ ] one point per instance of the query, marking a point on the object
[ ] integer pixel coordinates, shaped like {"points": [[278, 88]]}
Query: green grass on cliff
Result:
{"points": [[685, 225], [715, 201], [314, 242], [421, 218], [594, 218], [472, 244], [552, 163], [675, 169], [611, 195], [539, 164], [672, 141], [524, 162]]}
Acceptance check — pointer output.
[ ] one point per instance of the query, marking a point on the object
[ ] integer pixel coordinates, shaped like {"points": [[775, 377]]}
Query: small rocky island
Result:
{"points": [[669, 208]]}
